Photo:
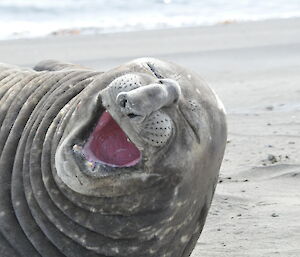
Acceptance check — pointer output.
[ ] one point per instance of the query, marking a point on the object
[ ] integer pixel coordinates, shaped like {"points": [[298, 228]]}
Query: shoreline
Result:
{"points": [[254, 67], [94, 30], [78, 31], [166, 43]]}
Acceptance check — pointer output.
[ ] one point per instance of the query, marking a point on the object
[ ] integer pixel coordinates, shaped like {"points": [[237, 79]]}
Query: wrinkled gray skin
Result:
{"points": [[57, 203]]}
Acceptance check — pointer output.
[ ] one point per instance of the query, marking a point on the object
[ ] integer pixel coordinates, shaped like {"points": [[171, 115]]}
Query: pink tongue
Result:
{"points": [[108, 144]]}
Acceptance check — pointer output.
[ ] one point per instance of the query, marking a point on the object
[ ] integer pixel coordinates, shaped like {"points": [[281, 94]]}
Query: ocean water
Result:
{"points": [[35, 18]]}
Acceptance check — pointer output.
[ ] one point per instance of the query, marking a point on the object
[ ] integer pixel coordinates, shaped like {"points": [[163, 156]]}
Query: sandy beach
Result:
{"points": [[255, 69]]}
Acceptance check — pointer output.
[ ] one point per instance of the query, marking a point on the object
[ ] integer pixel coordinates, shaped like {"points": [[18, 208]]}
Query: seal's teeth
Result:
{"points": [[128, 140], [90, 164], [77, 148]]}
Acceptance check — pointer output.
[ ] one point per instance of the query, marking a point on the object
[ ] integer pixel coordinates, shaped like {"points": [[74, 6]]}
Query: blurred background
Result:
{"points": [[35, 18]]}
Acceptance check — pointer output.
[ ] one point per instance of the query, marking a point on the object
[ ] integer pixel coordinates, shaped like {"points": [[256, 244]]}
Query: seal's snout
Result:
{"points": [[147, 99], [127, 105]]}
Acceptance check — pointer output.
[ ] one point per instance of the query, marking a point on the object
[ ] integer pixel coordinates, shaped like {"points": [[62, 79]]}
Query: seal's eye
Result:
{"points": [[109, 144]]}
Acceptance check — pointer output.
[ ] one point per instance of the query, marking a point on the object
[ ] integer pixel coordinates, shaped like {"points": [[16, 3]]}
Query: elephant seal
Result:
{"points": [[116, 163]]}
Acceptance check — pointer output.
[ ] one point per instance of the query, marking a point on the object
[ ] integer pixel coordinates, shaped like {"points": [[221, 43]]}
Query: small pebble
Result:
{"points": [[270, 108], [272, 158]]}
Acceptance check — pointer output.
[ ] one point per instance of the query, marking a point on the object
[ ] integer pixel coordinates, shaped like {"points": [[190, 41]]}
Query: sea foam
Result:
{"points": [[35, 18]]}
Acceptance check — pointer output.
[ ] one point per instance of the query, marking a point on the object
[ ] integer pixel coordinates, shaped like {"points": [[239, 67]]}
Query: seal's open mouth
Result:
{"points": [[108, 144]]}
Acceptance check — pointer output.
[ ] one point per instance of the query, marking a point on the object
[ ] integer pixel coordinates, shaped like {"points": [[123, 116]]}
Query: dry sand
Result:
{"points": [[255, 69]]}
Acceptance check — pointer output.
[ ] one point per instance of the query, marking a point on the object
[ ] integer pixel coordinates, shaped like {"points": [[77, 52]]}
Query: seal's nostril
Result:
{"points": [[123, 103]]}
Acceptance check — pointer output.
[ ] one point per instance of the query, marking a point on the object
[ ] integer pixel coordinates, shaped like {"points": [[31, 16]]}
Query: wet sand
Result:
{"points": [[255, 69]]}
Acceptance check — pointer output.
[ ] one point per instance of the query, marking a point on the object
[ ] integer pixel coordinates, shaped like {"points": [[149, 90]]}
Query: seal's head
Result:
{"points": [[134, 123], [147, 124]]}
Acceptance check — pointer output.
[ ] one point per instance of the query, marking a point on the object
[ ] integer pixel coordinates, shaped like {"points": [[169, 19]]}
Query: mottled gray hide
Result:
{"points": [[57, 201]]}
